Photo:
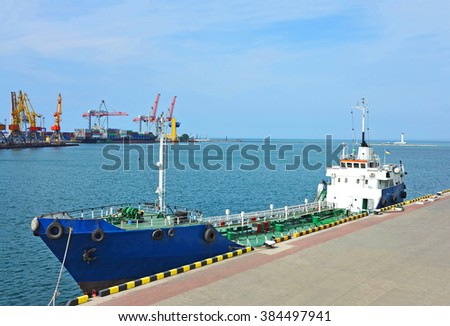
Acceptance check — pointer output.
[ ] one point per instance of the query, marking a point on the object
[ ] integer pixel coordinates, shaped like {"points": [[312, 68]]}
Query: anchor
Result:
{"points": [[87, 255]]}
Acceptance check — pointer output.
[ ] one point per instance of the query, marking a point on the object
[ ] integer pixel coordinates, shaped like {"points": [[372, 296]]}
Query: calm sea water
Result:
{"points": [[36, 181]]}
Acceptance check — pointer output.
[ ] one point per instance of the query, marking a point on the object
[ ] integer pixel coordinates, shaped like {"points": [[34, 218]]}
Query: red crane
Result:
{"points": [[102, 113], [145, 118], [173, 123], [155, 106], [169, 118]]}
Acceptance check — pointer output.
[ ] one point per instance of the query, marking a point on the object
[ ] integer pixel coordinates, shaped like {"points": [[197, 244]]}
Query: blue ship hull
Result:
{"points": [[392, 195], [119, 255], [100, 255]]}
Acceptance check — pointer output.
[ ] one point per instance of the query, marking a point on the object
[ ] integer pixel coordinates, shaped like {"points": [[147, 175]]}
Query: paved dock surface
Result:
{"points": [[393, 259]]}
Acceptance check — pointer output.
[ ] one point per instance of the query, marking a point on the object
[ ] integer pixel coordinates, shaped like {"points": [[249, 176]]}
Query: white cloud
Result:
{"points": [[121, 30]]}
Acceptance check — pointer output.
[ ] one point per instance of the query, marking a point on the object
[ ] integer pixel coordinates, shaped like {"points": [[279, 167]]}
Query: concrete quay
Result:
{"points": [[397, 258]]}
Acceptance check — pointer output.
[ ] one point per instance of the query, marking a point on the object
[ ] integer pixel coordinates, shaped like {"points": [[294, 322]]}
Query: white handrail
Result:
{"points": [[243, 217], [266, 214]]}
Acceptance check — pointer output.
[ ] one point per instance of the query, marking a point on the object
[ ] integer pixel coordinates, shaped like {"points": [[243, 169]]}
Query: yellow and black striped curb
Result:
{"points": [[320, 227], [78, 300], [407, 202], [350, 218], [144, 280], [172, 272], [411, 201]]}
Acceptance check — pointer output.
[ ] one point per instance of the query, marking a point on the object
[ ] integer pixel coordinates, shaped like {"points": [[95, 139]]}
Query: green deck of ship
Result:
{"points": [[249, 231], [256, 233]]}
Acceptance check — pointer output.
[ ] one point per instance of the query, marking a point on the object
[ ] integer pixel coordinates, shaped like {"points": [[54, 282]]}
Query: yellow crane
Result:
{"points": [[57, 136], [15, 132], [23, 125], [34, 132], [15, 114]]}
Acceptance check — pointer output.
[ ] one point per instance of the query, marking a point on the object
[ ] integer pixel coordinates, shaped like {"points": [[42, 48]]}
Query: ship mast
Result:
{"points": [[161, 189], [363, 110]]}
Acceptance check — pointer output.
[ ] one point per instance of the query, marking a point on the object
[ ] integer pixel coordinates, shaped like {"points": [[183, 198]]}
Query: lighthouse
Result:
{"points": [[402, 140]]}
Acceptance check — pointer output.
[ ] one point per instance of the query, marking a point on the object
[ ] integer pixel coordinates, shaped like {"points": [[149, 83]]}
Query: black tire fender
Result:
{"points": [[97, 235], [54, 231], [158, 234], [209, 235]]}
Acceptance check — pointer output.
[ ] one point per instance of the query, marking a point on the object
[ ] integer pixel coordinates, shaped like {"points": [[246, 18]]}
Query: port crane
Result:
{"points": [[148, 119], [33, 133], [173, 124], [23, 125], [101, 113], [57, 136], [15, 132]]}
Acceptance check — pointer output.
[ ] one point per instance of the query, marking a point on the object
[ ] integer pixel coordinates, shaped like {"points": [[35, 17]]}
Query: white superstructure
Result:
{"points": [[361, 182]]}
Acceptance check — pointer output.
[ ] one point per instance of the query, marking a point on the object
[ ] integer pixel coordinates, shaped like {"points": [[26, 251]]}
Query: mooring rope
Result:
{"points": [[56, 294]]}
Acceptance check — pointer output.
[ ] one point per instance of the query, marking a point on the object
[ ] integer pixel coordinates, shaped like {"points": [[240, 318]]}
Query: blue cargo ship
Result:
{"points": [[111, 244]]}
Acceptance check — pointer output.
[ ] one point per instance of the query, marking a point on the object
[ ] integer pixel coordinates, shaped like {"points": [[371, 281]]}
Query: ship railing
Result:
{"points": [[101, 211], [222, 220], [245, 218]]}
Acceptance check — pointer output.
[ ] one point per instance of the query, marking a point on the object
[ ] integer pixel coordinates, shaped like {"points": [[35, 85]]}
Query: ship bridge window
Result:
{"points": [[356, 165], [349, 165], [342, 165], [363, 165]]}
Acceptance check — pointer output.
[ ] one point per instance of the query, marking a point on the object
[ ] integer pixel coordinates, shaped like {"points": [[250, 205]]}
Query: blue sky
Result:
{"points": [[242, 69]]}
